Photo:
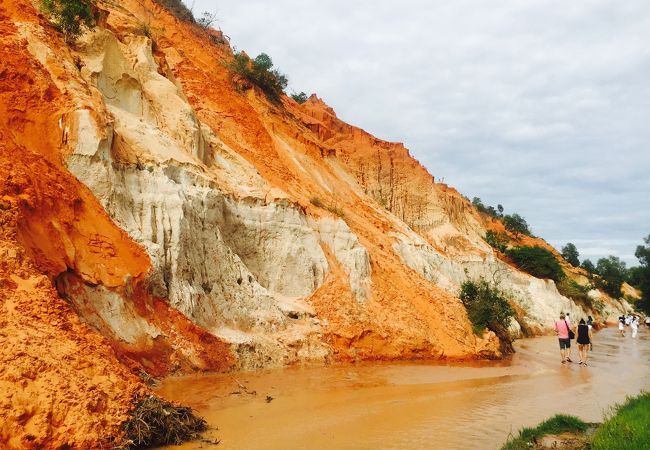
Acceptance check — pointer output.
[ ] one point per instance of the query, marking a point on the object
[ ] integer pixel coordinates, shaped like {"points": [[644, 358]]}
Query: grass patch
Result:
{"points": [[560, 423], [628, 428]]}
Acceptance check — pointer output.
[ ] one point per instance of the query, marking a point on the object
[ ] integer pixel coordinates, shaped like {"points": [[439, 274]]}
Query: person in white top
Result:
{"points": [[635, 326], [621, 325]]}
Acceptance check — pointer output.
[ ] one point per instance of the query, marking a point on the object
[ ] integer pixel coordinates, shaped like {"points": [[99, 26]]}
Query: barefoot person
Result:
{"points": [[584, 340], [562, 330]]}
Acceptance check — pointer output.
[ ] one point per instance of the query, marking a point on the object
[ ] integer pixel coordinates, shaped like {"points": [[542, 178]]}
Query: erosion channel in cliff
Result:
{"points": [[413, 405]]}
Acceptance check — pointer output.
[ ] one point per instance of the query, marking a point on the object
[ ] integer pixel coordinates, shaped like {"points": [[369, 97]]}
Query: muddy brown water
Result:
{"points": [[413, 405]]}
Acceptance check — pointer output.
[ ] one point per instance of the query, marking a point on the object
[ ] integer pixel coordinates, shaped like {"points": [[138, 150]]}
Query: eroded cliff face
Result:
{"points": [[176, 221]]}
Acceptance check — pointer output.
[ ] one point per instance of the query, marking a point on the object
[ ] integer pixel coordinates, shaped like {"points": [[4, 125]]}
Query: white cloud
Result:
{"points": [[540, 105]]}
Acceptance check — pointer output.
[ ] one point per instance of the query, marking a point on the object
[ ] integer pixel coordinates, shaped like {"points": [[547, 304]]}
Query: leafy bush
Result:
{"points": [[489, 210], [576, 292], [496, 240], [516, 224], [570, 253], [300, 98], [486, 307], [258, 71], [69, 16], [537, 261], [178, 8]]}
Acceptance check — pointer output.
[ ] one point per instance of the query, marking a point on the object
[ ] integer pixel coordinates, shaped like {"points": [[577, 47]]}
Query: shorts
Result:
{"points": [[565, 343]]}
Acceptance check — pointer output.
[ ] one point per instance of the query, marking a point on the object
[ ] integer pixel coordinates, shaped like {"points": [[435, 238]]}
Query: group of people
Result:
{"points": [[565, 333], [632, 321]]}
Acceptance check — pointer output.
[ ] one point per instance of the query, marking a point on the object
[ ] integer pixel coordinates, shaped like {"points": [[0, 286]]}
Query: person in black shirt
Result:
{"points": [[584, 339]]}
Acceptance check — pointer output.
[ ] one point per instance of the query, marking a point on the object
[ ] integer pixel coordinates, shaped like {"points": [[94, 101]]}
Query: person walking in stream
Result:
{"points": [[621, 325], [584, 341], [567, 319], [634, 324], [563, 333]]}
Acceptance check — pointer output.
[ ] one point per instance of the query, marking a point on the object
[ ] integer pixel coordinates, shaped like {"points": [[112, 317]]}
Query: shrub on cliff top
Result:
{"points": [[259, 71], [487, 307], [537, 261], [69, 16], [178, 8], [300, 98]]}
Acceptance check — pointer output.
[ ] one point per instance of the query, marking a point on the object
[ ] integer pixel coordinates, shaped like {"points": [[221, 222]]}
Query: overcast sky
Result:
{"points": [[542, 106]]}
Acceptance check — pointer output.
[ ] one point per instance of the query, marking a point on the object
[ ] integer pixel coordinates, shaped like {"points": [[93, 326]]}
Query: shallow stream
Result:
{"points": [[413, 405]]}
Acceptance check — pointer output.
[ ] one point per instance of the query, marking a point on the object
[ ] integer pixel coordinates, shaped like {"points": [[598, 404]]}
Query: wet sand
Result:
{"points": [[414, 405]]}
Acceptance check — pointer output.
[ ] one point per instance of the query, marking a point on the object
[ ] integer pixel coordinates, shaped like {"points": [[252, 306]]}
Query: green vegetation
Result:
{"points": [[588, 266], [487, 307], [496, 240], [513, 222], [612, 273], [557, 424], [69, 16], [537, 261], [641, 276], [628, 428], [496, 213], [300, 98], [570, 253], [178, 9], [260, 73], [576, 292], [516, 225]]}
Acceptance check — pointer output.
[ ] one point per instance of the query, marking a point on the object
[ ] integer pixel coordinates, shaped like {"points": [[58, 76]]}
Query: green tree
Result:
{"points": [[612, 273], [570, 253], [69, 16], [537, 261], [588, 266], [516, 224], [300, 98], [643, 277]]}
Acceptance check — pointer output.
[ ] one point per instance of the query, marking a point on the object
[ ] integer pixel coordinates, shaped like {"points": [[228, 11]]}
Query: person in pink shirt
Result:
{"points": [[567, 319], [562, 331]]}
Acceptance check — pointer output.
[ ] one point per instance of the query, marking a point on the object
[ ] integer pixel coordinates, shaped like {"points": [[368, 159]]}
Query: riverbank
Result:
{"points": [[462, 406], [628, 428]]}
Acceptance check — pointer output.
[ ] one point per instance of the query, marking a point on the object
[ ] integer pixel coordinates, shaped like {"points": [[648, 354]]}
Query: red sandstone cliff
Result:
{"points": [[158, 215]]}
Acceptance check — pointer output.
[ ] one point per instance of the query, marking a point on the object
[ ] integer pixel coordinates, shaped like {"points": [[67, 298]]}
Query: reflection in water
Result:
{"points": [[414, 405]]}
